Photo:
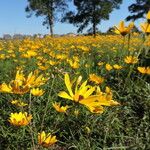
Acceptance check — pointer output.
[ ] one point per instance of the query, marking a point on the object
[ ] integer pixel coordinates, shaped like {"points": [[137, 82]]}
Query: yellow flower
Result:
{"points": [[108, 67], [117, 67], [5, 88], [148, 16], [74, 64], [145, 27], [100, 63], [20, 119], [121, 29], [46, 140], [43, 67], [18, 103], [59, 108], [96, 79], [52, 63], [29, 54], [144, 70], [87, 65], [19, 77], [17, 85], [76, 112], [108, 90], [33, 80], [22, 85], [109, 97], [131, 59], [88, 130], [95, 108], [83, 95], [135, 33], [84, 91], [36, 92]]}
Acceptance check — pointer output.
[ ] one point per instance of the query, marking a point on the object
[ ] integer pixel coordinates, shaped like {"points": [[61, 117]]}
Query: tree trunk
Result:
{"points": [[94, 29], [94, 20], [50, 17], [51, 26]]}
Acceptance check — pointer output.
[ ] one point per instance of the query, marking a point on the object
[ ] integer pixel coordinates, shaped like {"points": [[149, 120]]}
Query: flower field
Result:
{"points": [[76, 93]]}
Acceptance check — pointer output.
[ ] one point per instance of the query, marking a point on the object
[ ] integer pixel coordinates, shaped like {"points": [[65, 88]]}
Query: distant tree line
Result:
{"points": [[19, 36], [86, 13]]}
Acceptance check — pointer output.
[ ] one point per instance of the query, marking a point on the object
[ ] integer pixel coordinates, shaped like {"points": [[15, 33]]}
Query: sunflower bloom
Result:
{"points": [[131, 59], [18, 103], [36, 92], [17, 84], [108, 67], [5, 88], [122, 29], [148, 16], [96, 79], [21, 85], [100, 63], [33, 80], [144, 70], [46, 140], [20, 119], [83, 94], [145, 27], [59, 108], [117, 67], [74, 64], [84, 91]]}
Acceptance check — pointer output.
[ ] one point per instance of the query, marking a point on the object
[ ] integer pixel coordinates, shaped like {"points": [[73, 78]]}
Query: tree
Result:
{"points": [[47, 8], [90, 12], [138, 9]]}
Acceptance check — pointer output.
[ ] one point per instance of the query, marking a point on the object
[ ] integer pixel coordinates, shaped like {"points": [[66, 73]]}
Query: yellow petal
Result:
{"points": [[148, 15], [96, 109], [141, 69], [63, 94], [89, 100], [68, 84], [89, 92], [121, 26]]}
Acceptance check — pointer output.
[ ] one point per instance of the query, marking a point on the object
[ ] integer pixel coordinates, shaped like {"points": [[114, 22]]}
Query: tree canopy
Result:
{"points": [[90, 12], [47, 8], [138, 9]]}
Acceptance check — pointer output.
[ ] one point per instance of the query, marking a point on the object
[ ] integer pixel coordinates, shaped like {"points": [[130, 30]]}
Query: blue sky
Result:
{"points": [[13, 19]]}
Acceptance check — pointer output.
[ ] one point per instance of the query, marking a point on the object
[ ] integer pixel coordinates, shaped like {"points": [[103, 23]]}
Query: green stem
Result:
{"points": [[30, 126], [129, 38], [30, 103], [32, 136], [47, 105]]}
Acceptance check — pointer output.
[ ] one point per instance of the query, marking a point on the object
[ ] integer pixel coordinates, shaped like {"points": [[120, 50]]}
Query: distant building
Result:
{"points": [[18, 36], [70, 34], [7, 37]]}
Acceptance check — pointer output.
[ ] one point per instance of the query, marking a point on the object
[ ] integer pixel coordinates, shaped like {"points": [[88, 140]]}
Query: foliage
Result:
{"points": [[38, 77], [90, 12], [138, 9], [47, 8]]}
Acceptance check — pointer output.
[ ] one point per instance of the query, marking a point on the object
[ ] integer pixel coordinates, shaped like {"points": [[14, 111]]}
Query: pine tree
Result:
{"points": [[47, 8], [90, 12]]}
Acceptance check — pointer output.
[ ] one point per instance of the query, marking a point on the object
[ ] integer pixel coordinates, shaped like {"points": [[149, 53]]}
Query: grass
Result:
{"points": [[122, 127]]}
